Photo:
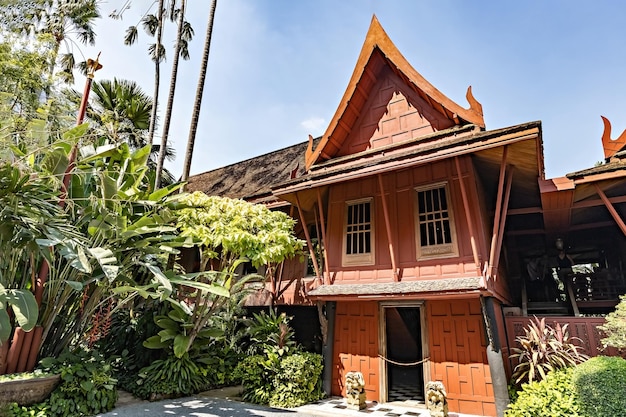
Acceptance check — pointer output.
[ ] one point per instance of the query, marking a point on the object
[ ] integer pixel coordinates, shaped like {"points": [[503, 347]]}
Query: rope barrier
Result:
{"points": [[401, 363]]}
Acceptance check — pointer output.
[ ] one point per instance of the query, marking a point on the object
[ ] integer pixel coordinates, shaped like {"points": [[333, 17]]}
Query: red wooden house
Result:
{"points": [[423, 229]]}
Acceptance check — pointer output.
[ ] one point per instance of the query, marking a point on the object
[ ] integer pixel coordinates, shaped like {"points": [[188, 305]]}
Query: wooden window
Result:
{"points": [[436, 236], [358, 242]]}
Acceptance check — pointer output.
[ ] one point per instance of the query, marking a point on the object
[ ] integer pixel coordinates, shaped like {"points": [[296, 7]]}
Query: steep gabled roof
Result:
{"points": [[378, 53]]}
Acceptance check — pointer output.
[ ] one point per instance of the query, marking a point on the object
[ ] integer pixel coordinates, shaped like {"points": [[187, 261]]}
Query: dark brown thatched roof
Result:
{"points": [[253, 178], [613, 166]]}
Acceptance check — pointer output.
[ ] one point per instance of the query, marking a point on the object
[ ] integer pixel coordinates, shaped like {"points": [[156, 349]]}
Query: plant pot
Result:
{"points": [[27, 391]]}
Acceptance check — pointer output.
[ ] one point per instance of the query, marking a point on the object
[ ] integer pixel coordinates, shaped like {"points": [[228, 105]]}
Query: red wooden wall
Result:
{"points": [[458, 355], [400, 194], [356, 346]]}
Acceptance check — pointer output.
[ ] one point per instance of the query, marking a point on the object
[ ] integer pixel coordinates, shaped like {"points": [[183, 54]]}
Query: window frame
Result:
{"points": [[446, 250], [360, 258]]}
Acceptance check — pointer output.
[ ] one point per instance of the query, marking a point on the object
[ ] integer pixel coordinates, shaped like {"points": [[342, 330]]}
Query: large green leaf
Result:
{"points": [[5, 326], [155, 342], [210, 288], [180, 345], [24, 307], [107, 261]]}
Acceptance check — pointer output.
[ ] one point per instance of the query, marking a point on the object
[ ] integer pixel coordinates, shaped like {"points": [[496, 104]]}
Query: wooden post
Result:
{"points": [[388, 228], [468, 216], [496, 220], [308, 239], [324, 242]]}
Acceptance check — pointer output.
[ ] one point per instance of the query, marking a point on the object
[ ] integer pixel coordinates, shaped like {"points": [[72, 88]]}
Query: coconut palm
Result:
{"points": [[200, 89], [184, 34]]}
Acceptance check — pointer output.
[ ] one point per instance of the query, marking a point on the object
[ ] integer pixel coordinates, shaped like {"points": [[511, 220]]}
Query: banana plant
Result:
{"points": [[24, 307]]}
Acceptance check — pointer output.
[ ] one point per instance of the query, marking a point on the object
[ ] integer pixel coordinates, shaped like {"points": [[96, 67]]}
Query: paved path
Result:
{"points": [[199, 407]]}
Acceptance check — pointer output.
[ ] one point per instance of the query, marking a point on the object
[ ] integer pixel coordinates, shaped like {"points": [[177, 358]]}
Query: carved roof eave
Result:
{"points": [[377, 38]]}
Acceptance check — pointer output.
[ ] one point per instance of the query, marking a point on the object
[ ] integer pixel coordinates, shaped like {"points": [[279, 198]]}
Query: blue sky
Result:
{"points": [[278, 68]]}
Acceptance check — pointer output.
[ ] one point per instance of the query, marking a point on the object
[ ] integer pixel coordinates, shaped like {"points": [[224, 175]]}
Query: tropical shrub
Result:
{"points": [[298, 380], [269, 331], [86, 388], [171, 377], [281, 375], [542, 349], [553, 396], [600, 385], [615, 327]]}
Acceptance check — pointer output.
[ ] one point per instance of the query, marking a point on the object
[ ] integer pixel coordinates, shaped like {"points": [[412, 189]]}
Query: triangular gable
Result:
{"points": [[378, 58]]}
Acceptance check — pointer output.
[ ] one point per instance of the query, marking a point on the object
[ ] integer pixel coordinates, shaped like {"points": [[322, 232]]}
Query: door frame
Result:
{"points": [[382, 342]]}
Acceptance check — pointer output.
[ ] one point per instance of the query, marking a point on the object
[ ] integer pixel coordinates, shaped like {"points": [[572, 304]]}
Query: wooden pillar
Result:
{"points": [[505, 208], [324, 242], [468, 216], [496, 220], [308, 239], [388, 228]]}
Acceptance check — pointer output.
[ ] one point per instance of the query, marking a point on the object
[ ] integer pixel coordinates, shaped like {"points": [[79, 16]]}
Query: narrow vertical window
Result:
{"points": [[358, 238], [435, 224]]}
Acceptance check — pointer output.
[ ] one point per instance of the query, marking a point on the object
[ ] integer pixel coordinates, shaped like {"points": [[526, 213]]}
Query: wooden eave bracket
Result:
{"points": [[611, 146]]}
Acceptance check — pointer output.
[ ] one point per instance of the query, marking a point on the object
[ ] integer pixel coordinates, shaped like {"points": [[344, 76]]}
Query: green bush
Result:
{"points": [[256, 374], [615, 326], [553, 396], [170, 378], [298, 381], [87, 387], [281, 381], [600, 383]]}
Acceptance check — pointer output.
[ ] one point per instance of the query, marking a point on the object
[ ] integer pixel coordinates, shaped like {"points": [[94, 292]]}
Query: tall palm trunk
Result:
{"points": [[157, 73], [198, 100], [170, 97]]}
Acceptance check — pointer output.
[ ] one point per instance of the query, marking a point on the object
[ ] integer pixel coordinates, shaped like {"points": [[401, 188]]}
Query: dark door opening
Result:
{"points": [[405, 380]]}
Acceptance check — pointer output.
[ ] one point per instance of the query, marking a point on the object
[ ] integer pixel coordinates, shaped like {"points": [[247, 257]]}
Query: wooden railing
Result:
{"points": [[585, 329]]}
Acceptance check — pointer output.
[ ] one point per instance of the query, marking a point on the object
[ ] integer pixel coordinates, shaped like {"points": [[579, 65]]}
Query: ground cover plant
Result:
{"points": [[87, 387]]}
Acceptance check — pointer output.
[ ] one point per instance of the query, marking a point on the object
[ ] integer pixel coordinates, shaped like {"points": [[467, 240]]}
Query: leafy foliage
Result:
{"points": [[269, 331], [171, 377], [86, 388], [298, 381], [229, 229], [615, 327], [551, 397], [279, 374], [542, 349], [600, 384]]}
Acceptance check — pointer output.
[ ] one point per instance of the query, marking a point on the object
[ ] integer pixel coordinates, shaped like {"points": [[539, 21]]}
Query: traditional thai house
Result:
{"points": [[429, 234]]}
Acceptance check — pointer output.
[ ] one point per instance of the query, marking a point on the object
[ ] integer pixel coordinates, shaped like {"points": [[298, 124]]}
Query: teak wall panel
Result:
{"points": [[458, 355], [400, 196], [356, 346]]}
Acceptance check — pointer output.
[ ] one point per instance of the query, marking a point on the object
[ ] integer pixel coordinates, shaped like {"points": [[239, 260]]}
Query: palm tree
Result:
{"points": [[198, 100], [121, 111], [153, 25], [184, 34], [58, 18]]}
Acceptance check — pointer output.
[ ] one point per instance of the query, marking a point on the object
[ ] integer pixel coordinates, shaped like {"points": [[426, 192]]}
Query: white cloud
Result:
{"points": [[314, 125]]}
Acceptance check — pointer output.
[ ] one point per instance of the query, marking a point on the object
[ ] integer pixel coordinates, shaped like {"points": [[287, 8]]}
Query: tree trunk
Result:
{"points": [[198, 100], [157, 74], [170, 98]]}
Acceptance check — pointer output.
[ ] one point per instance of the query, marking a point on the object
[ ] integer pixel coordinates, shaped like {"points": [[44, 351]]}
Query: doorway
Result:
{"points": [[403, 349]]}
